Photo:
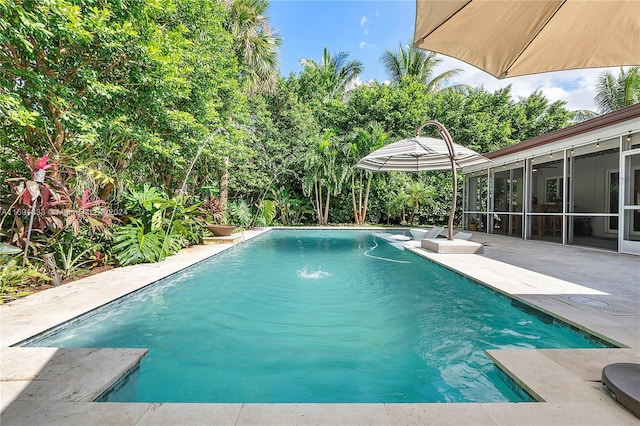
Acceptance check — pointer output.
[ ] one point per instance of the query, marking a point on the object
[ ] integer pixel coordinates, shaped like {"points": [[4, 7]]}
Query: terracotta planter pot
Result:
{"points": [[221, 230]]}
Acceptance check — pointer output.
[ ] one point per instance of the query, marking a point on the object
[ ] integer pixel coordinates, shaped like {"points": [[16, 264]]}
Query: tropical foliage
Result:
{"points": [[411, 62], [335, 72], [615, 92], [255, 43], [149, 110]]}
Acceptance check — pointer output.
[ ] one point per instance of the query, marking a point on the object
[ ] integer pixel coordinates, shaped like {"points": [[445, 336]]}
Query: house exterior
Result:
{"points": [[578, 185]]}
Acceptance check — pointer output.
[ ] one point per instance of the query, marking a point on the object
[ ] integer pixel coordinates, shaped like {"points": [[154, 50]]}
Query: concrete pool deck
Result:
{"points": [[594, 290]]}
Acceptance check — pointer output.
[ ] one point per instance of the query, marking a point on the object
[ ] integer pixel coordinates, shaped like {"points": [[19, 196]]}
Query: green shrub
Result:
{"points": [[16, 281], [134, 244], [158, 227]]}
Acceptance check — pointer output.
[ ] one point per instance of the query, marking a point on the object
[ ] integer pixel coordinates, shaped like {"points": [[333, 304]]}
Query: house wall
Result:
{"points": [[593, 150]]}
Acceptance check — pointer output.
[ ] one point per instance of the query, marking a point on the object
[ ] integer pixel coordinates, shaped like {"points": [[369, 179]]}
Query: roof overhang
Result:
{"points": [[614, 124]]}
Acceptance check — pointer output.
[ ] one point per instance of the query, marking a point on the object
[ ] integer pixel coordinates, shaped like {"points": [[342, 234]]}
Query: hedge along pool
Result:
{"points": [[316, 316]]}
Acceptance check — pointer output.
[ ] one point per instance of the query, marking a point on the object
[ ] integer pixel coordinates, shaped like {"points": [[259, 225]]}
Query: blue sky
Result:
{"points": [[365, 28]]}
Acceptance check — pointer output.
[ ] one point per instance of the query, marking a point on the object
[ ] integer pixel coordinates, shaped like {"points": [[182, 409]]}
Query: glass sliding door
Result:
{"points": [[594, 203], [476, 201], [508, 191], [546, 190]]}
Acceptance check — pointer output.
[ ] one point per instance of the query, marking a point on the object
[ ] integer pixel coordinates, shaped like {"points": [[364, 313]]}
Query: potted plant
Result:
{"points": [[215, 209], [473, 224]]}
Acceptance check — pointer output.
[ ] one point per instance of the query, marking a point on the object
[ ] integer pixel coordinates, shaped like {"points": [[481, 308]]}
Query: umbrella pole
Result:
{"points": [[454, 196], [454, 199]]}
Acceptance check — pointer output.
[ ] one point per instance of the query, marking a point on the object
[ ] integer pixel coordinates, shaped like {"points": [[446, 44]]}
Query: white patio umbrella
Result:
{"points": [[419, 154], [512, 38]]}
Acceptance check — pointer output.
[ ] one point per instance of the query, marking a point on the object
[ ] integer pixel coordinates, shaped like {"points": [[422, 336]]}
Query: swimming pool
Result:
{"points": [[316, 316]]}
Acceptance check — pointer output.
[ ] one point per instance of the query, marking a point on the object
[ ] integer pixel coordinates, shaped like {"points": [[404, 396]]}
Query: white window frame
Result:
{"points": [[607, 199]]}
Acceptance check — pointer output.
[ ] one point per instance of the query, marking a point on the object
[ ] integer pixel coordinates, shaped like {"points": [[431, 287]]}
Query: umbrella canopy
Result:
{"points": [[418, 154], [512, 38]]}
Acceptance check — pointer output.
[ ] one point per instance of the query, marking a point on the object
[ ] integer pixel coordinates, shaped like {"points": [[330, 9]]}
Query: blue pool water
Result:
{"points": [[316, 316]]}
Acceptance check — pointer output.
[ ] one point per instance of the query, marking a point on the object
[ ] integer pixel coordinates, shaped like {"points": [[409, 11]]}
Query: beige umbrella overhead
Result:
{"points": [[512, 38], [419, 153]]}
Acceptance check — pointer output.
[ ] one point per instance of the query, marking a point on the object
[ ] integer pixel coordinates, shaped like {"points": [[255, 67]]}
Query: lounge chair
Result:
{"points": [[431, 233], [462, 236], [419, 234]]}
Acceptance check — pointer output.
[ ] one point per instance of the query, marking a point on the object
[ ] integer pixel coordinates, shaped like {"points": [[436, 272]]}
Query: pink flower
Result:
{"points": [[42, 163]]}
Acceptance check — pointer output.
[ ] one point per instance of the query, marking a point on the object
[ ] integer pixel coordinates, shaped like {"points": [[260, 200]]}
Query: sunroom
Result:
{"points": [[579, 185]]}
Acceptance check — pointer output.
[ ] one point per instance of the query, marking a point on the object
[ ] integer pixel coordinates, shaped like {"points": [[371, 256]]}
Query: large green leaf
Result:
{"points": [[7, 249]]}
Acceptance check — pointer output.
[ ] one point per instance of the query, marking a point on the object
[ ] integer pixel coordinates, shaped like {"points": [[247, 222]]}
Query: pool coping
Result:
{"points": [[567, 380]]}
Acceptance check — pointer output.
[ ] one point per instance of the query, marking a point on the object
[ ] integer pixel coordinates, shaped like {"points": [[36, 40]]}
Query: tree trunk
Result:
{"points": [[318, 194], [360, 206], [224, 183], [413, 213], [360, 200], [356, 215], [120, 164], [363, 215], [326, 208], [105, 192]]}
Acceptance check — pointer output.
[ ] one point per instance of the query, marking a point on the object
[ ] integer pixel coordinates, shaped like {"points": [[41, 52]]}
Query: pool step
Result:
{"points": [[229, 239]]}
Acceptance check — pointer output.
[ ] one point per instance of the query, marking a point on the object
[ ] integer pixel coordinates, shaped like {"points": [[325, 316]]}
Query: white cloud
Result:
{"points": [[576, 87], [353, 84], [364, 45], [366, 31], [363, 21]]}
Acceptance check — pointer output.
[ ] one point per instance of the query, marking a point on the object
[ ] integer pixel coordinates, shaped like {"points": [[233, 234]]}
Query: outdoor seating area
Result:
{"points": [[433, 240]]}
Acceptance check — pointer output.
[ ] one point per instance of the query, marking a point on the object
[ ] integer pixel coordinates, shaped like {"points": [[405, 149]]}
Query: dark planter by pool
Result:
{"points": [[221, 230]]}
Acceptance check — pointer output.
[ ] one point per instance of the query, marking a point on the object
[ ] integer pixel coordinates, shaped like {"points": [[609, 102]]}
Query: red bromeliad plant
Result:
{"points": [[215, 208], [56, 208], [42, 164], [84, 210]]}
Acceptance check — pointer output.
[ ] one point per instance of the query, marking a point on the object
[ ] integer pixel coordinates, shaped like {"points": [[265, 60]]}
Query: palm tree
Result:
{"points": [[326, 170], [581, 115], [418, 193], [255, 43], [337, 69], [364, 141], [613, 93], [416, 63]]}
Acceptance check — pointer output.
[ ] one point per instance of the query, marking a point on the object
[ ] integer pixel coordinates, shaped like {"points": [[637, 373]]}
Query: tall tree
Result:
{"points": [[417, 63], [615, 92], [256, 43], [336, 71], [326, 172], [365, 140], [55, 56], [123, 88]]}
